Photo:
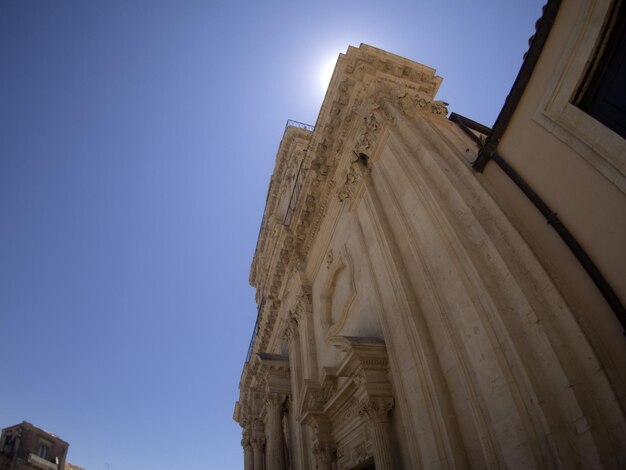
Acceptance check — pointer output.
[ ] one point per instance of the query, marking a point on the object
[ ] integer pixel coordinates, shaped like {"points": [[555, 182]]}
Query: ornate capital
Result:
{"points": [[275, 401], [246, 443], [257, 442], [376, 410]]}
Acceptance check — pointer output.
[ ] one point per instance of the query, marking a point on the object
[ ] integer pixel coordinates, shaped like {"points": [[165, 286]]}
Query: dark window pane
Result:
{"points": [[604, 97]]}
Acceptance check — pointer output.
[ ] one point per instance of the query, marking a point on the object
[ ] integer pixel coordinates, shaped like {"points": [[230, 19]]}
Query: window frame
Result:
{"points": [[600, 146]]}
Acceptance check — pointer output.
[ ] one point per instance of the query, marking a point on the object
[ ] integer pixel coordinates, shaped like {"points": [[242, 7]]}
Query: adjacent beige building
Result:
{"points": [[435, 294]]}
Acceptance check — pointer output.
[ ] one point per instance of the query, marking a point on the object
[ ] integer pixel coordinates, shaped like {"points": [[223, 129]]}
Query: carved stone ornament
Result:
{"points": [[376, 409], [314, 401], [324, 451], [275, 401], [291, 327], [355, 174], [320, 169], [373, 125], [410, 103], [329, 258], [358, 454], [302, 308]]}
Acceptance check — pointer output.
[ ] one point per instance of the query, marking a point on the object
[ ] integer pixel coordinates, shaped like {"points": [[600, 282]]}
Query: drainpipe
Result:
{"points": [[489, 152]]}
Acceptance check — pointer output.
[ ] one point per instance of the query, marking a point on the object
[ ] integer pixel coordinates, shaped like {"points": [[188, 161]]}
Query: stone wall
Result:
{"points": [[405, 320]]}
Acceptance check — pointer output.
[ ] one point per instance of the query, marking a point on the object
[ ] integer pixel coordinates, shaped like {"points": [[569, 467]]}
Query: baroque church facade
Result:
{"points": [[435, 294]]}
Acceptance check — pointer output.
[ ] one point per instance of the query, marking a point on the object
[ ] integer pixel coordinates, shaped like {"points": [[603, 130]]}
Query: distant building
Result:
{"points": [[435, 294], [28, 447]]}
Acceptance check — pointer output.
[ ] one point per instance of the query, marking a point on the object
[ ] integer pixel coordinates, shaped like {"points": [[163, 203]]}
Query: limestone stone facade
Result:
{"points": [[410, 315]]}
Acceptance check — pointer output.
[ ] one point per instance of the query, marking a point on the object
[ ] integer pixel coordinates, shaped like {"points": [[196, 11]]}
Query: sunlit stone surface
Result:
{"points": [[408, 317]]}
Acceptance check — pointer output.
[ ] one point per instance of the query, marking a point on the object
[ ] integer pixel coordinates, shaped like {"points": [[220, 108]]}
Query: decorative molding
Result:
{"points": [[349, 412], [355, 175], [274, 377], [303, 305], [373, 125], [290, 331]]}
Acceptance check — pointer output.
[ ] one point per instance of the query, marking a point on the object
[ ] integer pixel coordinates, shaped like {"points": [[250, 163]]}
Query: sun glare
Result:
{"points": [[327, 72]]}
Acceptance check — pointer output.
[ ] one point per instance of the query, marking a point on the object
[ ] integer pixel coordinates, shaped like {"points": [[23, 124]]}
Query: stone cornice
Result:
{"points": [[275, 371], [248, 408], [315, 395]]}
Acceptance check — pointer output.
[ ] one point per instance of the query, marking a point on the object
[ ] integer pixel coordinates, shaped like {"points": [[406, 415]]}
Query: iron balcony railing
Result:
{"points": [[290, 209], [256, 329], [299, 125], [295, 192]]}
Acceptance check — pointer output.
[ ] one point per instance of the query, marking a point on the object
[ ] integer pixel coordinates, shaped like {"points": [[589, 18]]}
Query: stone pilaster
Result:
{"points": [[274, 431], [307, 335], [376, 411]]}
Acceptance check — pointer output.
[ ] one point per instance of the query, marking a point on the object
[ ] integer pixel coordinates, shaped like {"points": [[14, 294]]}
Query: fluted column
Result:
{"points": [[258, 447], [376, 410], [274, 431], [248, 462]]}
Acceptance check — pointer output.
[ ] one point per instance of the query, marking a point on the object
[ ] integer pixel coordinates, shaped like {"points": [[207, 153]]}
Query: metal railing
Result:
{"points": [[290, 209], [299, 125], [256, 329], [295, 192]]}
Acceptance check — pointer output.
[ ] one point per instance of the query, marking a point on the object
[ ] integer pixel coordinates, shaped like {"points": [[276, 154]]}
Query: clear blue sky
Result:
{"points": [[136, 143]]}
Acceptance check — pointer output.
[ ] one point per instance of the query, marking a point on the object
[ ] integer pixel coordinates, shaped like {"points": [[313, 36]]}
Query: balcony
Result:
{"points": [[38, 462]]}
